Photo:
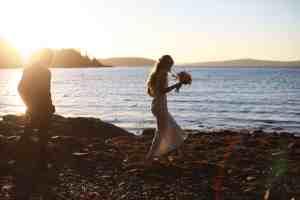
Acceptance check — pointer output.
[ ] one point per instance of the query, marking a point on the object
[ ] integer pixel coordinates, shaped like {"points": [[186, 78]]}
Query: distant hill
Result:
{"points": [[127, 61], [247, 63]]}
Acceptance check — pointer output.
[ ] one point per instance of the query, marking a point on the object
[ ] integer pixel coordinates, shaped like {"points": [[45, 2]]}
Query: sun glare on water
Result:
{"points": [[13, 100]]}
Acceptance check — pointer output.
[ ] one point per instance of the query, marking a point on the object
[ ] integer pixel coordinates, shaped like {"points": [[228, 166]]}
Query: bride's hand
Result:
{"points": [[178, 86]]}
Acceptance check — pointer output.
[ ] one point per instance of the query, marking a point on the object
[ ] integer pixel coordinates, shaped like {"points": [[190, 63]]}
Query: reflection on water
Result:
{"points": [[10, 101], [218, 98]]}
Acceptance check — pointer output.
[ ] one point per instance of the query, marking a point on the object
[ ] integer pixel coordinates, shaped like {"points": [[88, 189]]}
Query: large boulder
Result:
{"points": [[12, 125]]}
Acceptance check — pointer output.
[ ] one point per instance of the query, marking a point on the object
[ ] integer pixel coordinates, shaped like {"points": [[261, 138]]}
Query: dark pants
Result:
{"points": [[41, 122], [30, 166]]}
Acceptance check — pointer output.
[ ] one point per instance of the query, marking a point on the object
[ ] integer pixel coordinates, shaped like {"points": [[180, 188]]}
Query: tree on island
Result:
{"points": [[72, 58]]}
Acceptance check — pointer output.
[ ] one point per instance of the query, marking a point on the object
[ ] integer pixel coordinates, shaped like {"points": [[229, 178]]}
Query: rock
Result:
{"points": [[2, 139], [91, 160], [6, 188], [79, 127], [80, 154], [290, 146], [250, 178], [90, 127], [149, 132]]}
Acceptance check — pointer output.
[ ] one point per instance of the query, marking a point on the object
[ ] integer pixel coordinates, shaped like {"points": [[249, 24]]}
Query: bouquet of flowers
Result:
{"points": [[183, 77]]}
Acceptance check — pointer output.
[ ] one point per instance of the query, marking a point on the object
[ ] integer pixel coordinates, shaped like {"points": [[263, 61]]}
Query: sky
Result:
{"points": [[189, 30]]}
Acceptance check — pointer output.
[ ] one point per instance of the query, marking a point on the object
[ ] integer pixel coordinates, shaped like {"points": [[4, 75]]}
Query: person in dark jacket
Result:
{"points": [[35, 91]]}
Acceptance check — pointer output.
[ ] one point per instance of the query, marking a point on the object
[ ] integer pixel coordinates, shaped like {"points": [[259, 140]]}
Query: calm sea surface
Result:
{"points": [[267, 99]]}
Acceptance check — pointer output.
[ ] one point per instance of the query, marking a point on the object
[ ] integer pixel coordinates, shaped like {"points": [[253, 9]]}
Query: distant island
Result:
{"points": [[238, 63], [247, 63], [127, 61], [71, 58]]}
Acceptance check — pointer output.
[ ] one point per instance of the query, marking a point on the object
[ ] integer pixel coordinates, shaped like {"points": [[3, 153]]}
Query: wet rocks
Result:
{"points": [[78, 126], [91, 160]]}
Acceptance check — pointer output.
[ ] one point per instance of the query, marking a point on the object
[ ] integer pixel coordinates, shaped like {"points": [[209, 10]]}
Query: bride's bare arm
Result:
{"points": [[172, 87]]}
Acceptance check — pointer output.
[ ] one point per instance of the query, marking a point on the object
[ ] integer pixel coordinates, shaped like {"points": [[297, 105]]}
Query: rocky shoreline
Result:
{"points": [[91, 159]]}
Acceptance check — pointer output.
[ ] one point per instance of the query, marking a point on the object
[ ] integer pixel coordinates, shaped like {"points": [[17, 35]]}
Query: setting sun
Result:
{"points": [[46, 24], [27, 28]]}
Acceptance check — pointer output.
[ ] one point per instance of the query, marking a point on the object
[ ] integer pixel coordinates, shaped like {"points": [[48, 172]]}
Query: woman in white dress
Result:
{"points": [[168, 136]]}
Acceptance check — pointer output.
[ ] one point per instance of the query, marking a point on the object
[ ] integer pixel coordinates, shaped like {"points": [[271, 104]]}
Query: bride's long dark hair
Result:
{"points": [[158, 75]]}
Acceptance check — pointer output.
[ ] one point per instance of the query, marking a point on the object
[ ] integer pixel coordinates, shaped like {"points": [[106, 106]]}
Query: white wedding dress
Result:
{"points": [[168, 135]]}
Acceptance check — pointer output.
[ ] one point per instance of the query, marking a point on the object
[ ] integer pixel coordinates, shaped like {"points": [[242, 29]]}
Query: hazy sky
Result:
{"points": [[190, 30]]}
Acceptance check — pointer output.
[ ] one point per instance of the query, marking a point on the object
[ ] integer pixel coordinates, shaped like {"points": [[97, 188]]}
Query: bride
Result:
{"points": [[168, 136]]}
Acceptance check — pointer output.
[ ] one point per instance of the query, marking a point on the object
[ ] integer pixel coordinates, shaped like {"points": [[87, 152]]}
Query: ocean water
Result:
{"points": [[219, 98]]}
